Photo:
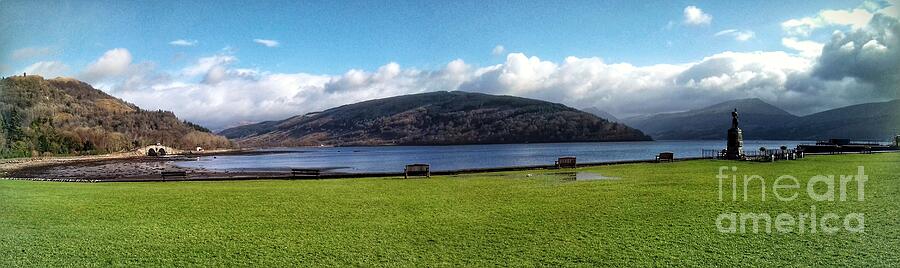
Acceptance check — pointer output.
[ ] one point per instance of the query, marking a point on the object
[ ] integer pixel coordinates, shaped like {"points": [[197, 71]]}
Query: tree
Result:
{"points": [[2, 133], [2, 141]]}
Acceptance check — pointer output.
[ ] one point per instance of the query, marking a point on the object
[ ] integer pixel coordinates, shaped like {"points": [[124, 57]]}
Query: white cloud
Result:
{"points": [[113, 63], [498, 50], [695, 16], [629, 90], [737, 34], [216, 92], [802, 26], [183, 43], [848, 47], [856, 18], [48, 69], [205, 64], [874, 46], [32, 52], [809, 49], [521, 73], [267, 42], [228, 95]]}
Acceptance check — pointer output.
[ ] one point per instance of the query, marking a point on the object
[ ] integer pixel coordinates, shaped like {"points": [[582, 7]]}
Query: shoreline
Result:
{"points": [[447, 144], [129, 167], [12, 165], [147, 170]]}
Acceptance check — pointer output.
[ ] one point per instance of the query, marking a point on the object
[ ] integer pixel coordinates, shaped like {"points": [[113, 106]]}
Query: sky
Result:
{"points": [[232, 63]]}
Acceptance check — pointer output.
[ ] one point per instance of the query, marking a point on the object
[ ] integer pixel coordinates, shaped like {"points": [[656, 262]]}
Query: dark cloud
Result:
{"points": [[871, 55]]}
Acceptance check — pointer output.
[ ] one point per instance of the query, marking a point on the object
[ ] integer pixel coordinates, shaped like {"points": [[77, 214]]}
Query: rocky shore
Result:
{"points": [[112, 167]]}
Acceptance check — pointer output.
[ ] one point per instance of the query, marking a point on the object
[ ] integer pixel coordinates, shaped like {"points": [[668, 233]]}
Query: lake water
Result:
{"points": [[454, 157]]}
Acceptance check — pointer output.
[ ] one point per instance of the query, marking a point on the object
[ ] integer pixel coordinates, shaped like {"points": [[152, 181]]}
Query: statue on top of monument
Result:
{"points": [[734, 119]]}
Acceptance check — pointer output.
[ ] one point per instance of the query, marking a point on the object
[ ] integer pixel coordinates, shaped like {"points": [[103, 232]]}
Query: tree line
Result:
{"points": [[41, 117]]}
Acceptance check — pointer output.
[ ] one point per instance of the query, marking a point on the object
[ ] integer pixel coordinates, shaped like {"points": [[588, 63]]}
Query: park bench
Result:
{"points": [[417, 170], [166, 175], [665, 156], [305, 173], [566, 162]]}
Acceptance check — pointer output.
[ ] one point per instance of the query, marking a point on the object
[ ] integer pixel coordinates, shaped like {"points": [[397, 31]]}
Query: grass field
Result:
{"points": [[653, 214]]}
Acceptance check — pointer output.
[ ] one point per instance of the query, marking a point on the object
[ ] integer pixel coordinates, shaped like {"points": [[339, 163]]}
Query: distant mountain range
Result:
{"points": [[65, 116], [436, 118], [879, 121], [601, 113], [760, 120]]}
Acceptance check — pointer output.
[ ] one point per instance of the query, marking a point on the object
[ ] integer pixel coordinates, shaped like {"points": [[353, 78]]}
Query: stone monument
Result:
{"points": [[735, 148]]}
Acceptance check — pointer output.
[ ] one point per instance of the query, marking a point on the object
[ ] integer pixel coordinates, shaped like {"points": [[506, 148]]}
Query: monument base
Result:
{"points": [[735, 148]]}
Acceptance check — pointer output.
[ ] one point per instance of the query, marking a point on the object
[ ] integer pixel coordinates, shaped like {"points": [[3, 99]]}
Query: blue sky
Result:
{"points": [[333, 36], [320, 43]]}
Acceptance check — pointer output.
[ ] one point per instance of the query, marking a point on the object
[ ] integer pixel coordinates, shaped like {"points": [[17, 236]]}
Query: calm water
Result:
{"points": [[393, 158]]}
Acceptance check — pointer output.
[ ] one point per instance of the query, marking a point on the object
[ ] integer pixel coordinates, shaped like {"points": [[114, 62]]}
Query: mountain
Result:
{"points": [[601, 113], [758, 120], [64, 116], [436, 118], [870, 121]]}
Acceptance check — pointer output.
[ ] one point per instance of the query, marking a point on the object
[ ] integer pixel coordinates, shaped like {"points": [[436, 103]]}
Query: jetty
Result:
{"points": [[839, 146]]}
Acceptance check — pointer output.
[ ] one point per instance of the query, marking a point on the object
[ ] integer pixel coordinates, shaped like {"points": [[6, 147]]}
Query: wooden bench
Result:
{"points": [[566, 162], [665, 156], [417, 170], [305, 173], [173, 175]]}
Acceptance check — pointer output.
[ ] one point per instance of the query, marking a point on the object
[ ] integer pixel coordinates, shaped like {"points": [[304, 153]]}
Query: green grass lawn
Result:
{"points": [[653, 214]]}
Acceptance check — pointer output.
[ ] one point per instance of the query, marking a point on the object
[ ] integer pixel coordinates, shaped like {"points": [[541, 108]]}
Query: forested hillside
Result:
{"points": [[68, 117], [437, 118]]}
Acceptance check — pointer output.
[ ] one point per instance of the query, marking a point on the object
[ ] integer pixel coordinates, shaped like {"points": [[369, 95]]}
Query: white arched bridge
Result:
{"points": [[158, 150]]}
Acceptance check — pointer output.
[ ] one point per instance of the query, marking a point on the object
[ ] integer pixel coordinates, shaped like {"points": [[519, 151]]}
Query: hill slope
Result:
{"points": [[759, 120], [602, 114], [878, 121], [66, 116], [436, 118]]}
